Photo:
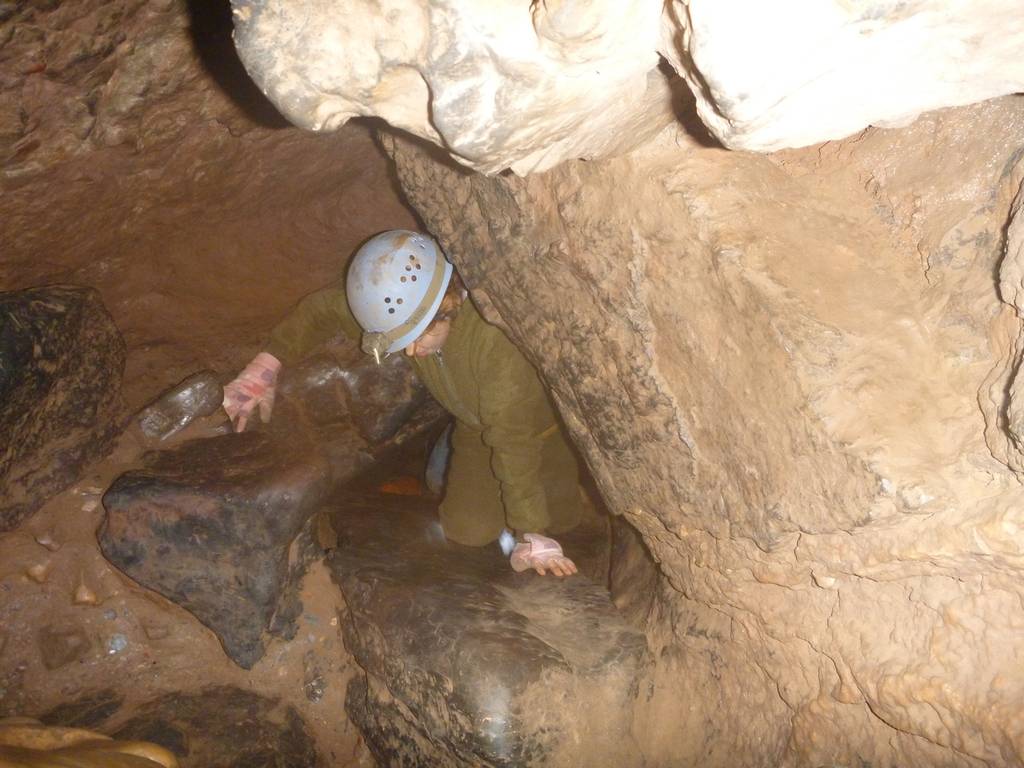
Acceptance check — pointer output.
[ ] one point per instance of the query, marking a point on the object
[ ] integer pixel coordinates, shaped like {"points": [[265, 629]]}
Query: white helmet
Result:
{"points": [[395, 285]]}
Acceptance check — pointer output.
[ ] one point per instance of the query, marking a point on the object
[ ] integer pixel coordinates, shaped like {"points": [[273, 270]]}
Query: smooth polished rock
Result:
{"points": [[467, 662], [61, 361], [198, 395], [209, 526]]}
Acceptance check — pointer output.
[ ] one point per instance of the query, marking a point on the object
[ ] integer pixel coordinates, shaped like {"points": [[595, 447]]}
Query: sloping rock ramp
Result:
{"points": [[469, 664]]}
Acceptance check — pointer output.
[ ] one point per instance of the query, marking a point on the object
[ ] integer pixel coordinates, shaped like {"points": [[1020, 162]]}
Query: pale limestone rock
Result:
{"points": [[773, 75], [526, 86], [498, 84]]}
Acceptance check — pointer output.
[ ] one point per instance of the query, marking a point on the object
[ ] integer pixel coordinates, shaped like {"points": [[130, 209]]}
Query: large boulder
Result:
{"points": [[223, 526], [61, 362], [470, 664], [797, 377], [209, 526]]}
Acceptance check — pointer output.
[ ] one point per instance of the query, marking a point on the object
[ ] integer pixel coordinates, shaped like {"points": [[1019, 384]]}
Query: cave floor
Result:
{"points": [[83, 645]]}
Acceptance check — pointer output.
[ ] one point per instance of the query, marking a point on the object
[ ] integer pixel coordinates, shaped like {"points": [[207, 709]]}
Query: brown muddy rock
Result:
{"points": [[61, 362], [468, 663], [220, 726], [213, 525], [222, 525], [343, 387], [354, 412], [226, 727], [795, 376]]}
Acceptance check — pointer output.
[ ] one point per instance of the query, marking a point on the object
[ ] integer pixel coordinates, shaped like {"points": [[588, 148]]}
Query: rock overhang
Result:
{"points": [[507, 84]]}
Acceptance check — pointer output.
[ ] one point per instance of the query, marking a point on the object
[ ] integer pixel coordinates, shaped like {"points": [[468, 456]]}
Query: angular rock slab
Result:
{"points": [[211, 526], [61, 362], [468, 663]]}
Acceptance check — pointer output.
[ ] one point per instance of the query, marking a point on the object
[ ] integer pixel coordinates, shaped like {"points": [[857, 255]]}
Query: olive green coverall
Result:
{"points": [[510, 464]]}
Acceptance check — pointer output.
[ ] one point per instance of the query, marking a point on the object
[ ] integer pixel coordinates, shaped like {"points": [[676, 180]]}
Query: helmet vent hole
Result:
{"points": [[419, 266], [387, 299], [400, 301], [408, 269], [391, 311], [403, 278], [414, 278]]}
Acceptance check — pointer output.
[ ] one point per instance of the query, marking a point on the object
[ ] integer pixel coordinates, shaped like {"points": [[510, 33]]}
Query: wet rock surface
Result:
{"points": [[214, 524], [61, 362], [350, 407], [210, 525], [216, 727], [201, 394], [468, 663]]}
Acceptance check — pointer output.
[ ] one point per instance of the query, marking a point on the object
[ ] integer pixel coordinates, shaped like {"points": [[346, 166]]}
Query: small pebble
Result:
{"points": [[84, 595], [90, 505], [116, 644], [110, 614], [46, 540], [314, 689], [39, 572]]}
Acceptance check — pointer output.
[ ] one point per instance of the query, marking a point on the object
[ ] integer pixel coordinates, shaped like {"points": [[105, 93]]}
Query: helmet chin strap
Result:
{"points": [[377, 343]]}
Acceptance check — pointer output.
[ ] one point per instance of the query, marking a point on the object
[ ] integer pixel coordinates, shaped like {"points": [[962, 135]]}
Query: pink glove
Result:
{"points": [[542, 554], [255, 385]]}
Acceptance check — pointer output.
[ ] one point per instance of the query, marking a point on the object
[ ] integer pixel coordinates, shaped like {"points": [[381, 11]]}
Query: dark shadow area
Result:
{"points": [[211, 29], [684, 106]]}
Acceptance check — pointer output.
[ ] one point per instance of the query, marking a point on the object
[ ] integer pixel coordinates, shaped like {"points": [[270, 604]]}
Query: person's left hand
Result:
{"points": [[542, 554]]}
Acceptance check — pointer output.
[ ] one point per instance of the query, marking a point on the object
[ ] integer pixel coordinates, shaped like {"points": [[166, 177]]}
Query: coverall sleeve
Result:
{"points": [[315, 320], [516, 417]]}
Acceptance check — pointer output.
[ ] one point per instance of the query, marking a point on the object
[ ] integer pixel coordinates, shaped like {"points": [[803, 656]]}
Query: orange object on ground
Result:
{"points": [[406, 485]]}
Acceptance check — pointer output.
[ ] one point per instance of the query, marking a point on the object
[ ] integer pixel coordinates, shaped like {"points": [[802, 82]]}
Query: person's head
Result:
{"points": [[436, 333], [396, 285]]}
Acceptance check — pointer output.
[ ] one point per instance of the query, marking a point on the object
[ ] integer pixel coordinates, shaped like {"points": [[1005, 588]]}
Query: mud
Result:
{"points": [[69, 658]]}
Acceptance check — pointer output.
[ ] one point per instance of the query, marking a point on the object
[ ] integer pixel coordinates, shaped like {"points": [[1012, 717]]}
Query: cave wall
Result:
{"points": [[790, 374], [137, 157]]}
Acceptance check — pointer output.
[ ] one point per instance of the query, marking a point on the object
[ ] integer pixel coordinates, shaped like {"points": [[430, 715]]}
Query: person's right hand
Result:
{"points": [[255, 386], [543, 555]]}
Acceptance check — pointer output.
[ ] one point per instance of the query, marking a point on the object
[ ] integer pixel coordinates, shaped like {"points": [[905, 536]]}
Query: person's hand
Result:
{"points": [[255, 386], [543, 555]]}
